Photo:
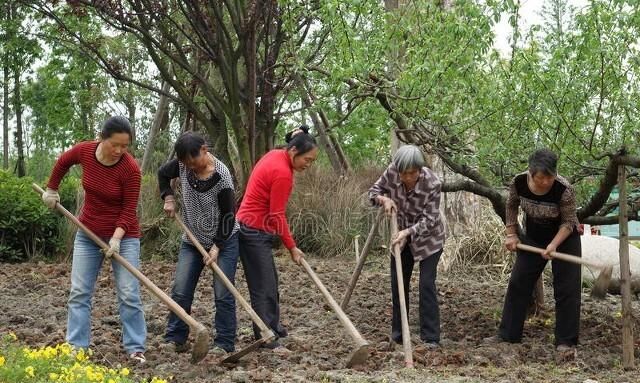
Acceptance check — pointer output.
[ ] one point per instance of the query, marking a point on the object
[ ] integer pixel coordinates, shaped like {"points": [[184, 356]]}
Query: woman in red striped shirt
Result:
{"points": [[262, 217], [111, 180]]}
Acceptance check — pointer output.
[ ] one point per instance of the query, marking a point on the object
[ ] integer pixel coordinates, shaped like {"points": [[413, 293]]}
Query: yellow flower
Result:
{"points": [[1, 360], [53, 376], [158, 380], [112, 381], [124, 372], [13, 336], [64, 348], [81, 356], [30, 371]]}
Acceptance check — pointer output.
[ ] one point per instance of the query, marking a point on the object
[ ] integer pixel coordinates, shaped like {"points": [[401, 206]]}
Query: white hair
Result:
{"points": [[408, 157]]}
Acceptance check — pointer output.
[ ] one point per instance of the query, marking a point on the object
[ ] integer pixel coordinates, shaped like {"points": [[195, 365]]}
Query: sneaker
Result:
{"points": [[138, 357], [565, 353], [218, 351]]}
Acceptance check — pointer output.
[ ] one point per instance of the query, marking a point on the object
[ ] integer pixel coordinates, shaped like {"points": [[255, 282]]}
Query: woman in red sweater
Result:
{"points": [[111, 180], [262, 217]]}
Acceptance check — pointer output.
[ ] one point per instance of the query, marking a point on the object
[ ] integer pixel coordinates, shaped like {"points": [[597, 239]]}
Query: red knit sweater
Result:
{"points": [[265, 200], [111, 192]]}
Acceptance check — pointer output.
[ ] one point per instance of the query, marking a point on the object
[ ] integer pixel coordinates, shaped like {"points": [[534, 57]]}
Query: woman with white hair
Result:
{"points": [[413, 191]]}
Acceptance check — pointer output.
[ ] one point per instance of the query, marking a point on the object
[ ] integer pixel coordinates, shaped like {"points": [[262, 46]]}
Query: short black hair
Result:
{"points": [[543, 160], [115, 124], [302, 141], [188, 145]]}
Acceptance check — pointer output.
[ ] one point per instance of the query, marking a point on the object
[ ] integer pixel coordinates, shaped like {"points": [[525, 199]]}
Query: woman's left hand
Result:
{"points": [[400, 238], [547, 252]]}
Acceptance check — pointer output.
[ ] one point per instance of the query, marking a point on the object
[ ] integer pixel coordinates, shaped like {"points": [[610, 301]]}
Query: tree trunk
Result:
{"points": [[219, 139], [20, 168], [344, 162], [320, 125], [156, 125], [131, 113], [5, 116]]}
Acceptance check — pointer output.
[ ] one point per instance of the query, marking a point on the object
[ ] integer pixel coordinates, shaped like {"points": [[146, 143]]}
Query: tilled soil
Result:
{"points": [[33, 305]]}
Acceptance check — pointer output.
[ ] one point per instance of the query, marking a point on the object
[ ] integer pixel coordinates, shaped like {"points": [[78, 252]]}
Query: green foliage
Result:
{"points": [[569, 84], [27, 227]]}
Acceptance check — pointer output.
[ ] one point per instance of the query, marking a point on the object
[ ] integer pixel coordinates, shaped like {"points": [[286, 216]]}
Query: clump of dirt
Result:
{"points": [[34, 307]]}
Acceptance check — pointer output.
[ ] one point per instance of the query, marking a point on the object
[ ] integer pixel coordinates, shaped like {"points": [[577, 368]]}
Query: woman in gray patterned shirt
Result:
{"points": [[209, 212], [413, 190]]}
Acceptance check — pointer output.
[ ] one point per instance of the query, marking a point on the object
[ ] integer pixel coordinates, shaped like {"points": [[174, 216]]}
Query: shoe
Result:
{"points": [[181, 347], [432, 345], [281, 350], [495, 339], [271, 345], [138, 357], [218, 351], [171, 346], [565, 353]]}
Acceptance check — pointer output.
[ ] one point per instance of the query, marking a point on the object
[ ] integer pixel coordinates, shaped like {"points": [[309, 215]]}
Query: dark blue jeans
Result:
{"points": [[188, 272]]}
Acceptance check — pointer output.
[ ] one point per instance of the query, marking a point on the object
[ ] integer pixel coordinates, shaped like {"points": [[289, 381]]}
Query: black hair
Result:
{"points": [[302, 141], [115, 124], [188, 145], [543, 160]]}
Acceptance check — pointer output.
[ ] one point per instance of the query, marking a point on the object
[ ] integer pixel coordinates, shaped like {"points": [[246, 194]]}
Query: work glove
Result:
{"points": [[114, 247], [50, 197]]}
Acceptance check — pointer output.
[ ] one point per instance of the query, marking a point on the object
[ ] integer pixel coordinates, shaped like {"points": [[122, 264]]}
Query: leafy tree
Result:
{"points": [[570, 89]]}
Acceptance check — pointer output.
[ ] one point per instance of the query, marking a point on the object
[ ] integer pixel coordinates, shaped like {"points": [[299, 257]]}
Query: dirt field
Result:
{"points": [[33, 305]]}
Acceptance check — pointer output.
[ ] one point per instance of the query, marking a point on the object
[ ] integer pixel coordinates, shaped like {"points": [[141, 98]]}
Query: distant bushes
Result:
{"points": [[27, 227]]}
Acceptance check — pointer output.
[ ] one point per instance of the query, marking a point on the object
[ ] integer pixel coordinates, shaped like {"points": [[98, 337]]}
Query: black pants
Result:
{"points": [[566, 291], [428, 296], [262, 278]]}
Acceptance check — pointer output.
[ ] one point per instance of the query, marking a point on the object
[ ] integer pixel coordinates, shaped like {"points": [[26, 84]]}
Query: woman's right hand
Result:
{"points": [[169, 206], [511, 242], [50, 198], [387, 204], [296, 255]]}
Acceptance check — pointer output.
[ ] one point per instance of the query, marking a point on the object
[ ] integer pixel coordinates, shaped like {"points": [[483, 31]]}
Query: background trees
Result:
{"points": [[361, 73]]}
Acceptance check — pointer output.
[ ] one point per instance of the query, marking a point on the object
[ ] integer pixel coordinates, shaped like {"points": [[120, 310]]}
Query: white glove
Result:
{"points": [[114, 247], [50, 197]]}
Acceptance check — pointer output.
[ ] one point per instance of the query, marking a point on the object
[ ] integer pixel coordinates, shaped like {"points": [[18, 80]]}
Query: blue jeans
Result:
{"points": [[188, 272], [87, 261]]}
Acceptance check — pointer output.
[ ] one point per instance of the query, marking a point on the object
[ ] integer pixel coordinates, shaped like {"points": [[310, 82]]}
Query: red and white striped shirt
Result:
{"points": [[111, 192]]}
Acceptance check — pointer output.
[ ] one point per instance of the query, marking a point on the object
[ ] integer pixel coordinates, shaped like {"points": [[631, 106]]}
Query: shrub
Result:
{"points": [[160, 235], [27, 227], [327, 211], [479, 246]]}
